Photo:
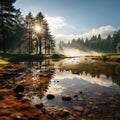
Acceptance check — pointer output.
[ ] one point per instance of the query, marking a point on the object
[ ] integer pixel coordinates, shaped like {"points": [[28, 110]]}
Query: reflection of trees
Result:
{"points": [[95, 69], [38, 77]]}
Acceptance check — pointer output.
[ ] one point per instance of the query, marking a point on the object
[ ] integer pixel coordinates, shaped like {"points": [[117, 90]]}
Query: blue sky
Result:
{"points": [[76, 18]]}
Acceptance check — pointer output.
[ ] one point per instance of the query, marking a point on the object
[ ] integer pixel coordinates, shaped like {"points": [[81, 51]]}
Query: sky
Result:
{"points": [[70, 19]]}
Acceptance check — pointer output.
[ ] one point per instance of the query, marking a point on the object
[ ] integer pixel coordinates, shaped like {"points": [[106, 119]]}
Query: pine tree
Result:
{"points": [[7, 20]]}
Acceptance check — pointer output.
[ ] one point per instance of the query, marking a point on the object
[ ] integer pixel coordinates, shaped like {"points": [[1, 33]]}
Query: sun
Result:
{"points": [[37, 28]]}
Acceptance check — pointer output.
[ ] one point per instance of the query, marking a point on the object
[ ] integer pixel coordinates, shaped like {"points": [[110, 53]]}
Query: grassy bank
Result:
{"points": [[111, 57], [24, 57]]}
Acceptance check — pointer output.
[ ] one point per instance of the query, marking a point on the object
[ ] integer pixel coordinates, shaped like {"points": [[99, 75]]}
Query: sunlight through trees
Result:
{"points": [[21, 35]]}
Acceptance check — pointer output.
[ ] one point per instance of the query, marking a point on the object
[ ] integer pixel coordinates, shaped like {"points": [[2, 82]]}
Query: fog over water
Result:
{"points": [[74, 52]]}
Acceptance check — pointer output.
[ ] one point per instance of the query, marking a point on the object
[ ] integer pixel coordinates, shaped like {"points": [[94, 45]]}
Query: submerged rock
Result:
{"points": [[39, 105], [75, 96], [66, 98], [19, 88], [50, 96], [80, 92]]}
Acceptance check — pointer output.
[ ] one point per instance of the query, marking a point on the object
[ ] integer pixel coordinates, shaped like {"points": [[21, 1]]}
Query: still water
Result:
{"points": [[93, 86]]}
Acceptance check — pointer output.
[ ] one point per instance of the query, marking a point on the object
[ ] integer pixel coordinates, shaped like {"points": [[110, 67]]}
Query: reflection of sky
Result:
{"points": [[102, 80], [66, 81]]}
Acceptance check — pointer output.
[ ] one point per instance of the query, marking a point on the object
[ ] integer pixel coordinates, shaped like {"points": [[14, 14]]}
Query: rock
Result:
{"points": [[80, 92], [39, 105], [66, 98], [75, 96], [25, 100], [19, 95], [19, 88], [44, 111], [77, 108], [50, 96], [64, 113], [51, 114]]}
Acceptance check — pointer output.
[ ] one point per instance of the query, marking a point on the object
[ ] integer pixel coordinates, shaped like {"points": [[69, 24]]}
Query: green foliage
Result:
{"points": [[96, 43], [17, 33], [118, 48], [7, 22]]}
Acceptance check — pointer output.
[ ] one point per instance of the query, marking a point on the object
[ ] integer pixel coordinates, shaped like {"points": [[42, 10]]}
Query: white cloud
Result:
{"points": [[102, 80], [55, 22], [58, 23], [104, 31]]}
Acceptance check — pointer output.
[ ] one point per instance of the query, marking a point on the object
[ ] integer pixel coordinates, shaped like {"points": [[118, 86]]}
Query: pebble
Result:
{"points": [[75, 96], [39, 105], [64, 113], [80, 92], [66, 98], [50, 96], [19, 88]]}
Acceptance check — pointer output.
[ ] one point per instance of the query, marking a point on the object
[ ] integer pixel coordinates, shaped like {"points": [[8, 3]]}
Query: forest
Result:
{"points": [[31, 34], [23, 35], [111, 44]]}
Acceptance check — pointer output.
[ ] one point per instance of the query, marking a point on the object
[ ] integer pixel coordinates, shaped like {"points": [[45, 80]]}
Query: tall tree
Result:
{"points": [[29, 22], [7, 15], [39, 21], [19, 28]]}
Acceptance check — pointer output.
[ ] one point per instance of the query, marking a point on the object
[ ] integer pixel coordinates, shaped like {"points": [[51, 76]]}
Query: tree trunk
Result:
{"points": [[40, 45]]}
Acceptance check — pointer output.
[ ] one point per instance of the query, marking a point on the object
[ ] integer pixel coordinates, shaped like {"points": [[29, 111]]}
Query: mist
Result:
{"points": [[74, 52]]}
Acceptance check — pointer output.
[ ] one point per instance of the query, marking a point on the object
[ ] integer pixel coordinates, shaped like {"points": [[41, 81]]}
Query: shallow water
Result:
{"points": [[93, 86]]}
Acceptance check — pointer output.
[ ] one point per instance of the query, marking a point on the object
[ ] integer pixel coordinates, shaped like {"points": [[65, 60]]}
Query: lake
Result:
{"points": [[94, 86]]}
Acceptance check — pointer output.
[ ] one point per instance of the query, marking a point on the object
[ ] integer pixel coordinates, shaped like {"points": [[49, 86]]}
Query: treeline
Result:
{"points": [[18, 34], [96, 43]]}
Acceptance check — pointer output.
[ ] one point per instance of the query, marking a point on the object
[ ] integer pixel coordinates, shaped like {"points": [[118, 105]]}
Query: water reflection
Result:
{"points": [[91, 69], [98, 81], [45, 76], [37, 77]]}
